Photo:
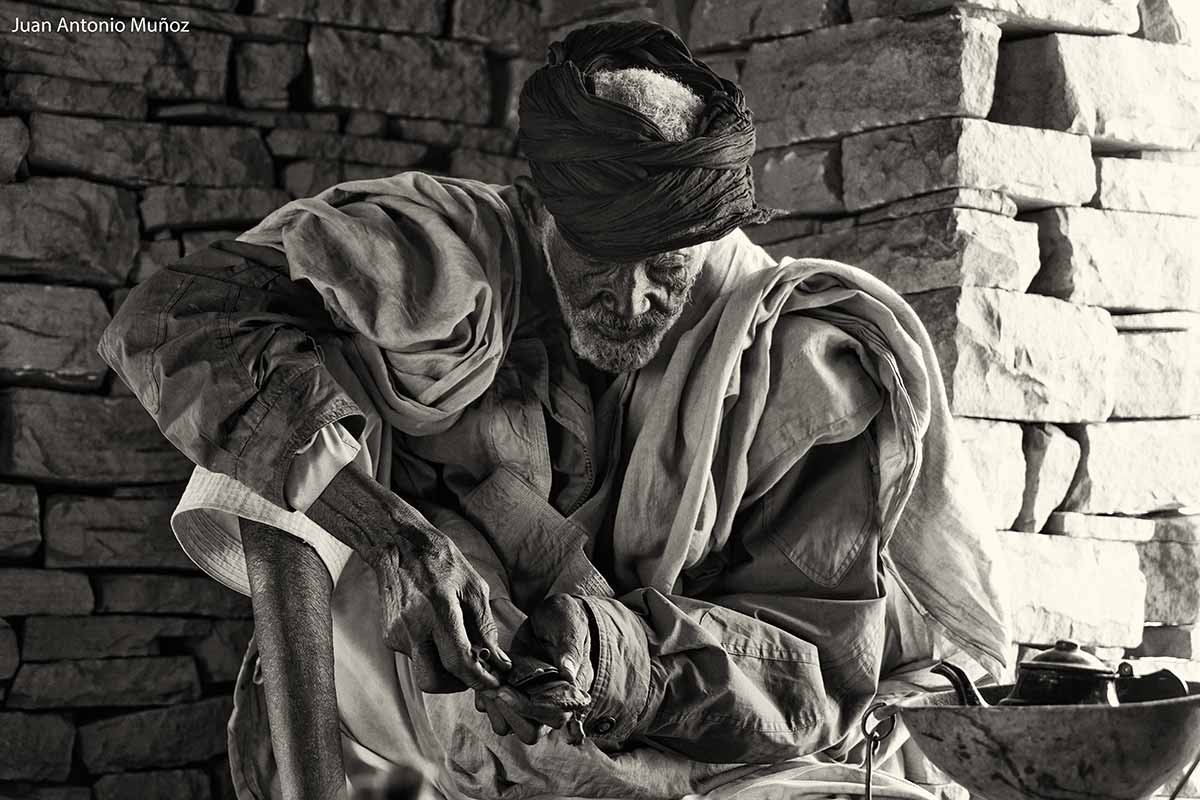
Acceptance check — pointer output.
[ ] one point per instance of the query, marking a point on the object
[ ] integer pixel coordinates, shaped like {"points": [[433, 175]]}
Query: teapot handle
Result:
{"points": [[1163, 684], [968, 695]]}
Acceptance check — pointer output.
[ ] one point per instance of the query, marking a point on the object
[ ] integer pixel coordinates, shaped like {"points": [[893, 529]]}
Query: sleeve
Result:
{"points": [[220, 348], [317, 462], [777, 657]]}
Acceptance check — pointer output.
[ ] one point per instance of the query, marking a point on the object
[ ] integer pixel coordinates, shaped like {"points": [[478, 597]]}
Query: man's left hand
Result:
{"points": [[557, 634]]}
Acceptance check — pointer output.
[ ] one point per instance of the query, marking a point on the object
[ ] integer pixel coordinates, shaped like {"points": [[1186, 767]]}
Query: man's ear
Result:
{"points": [[535, 210]]}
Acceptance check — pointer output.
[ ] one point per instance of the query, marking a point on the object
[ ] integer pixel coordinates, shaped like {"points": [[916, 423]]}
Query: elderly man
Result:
{"points": [[566, 487]]}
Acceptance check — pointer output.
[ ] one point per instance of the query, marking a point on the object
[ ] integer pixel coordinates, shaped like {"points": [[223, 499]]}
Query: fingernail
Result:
{"points": [[568, 665]]}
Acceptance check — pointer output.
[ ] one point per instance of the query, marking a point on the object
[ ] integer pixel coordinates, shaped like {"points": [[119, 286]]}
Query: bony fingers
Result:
{"points": [[495, 716], [457, 655], [430, 675], [531, 709]]}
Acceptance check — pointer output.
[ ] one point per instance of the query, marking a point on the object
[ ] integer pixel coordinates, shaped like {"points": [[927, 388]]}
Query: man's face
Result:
{"points": [[617, 313]]}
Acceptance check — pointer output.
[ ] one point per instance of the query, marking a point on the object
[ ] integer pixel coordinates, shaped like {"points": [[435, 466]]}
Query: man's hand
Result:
{"points": [[435, 605], [549, 683], [436, 610]]}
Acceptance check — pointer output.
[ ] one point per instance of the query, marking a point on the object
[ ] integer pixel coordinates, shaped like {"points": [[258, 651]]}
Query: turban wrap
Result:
{"points": [[616, 187]]}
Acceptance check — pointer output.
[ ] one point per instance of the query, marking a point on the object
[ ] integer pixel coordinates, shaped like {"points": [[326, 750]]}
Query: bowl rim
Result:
{"points": [[920, 702]]}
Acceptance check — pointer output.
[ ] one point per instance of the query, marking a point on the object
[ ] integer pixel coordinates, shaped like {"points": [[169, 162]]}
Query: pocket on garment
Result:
{"points": [[822, 527]]}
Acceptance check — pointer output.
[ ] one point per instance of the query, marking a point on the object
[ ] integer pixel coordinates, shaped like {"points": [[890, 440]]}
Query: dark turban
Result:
{"points": [[616, 187]]}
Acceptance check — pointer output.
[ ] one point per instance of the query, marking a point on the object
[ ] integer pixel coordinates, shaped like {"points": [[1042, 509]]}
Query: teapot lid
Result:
{"points": [[1068, 656]]}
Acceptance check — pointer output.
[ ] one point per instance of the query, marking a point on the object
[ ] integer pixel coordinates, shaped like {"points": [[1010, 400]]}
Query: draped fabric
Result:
{"points": [[616, 187]]}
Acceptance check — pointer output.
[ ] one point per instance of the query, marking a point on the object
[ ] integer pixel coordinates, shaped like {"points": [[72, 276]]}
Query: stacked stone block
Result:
{"points": [[118, 154]]}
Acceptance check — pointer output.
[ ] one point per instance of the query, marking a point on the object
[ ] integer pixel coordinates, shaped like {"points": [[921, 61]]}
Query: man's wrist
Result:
{"points": [[362, 513]]}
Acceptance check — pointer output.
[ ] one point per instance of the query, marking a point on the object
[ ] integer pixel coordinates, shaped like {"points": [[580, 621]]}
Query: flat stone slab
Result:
{"points": [[35, 747], [220, 114], [20, 521], [1157, 321], [721, 23], [138, 154], [43, 591], [1123, 93], [1177, 528], [198, 240], [10, 653], [1137, 467], [113, 682], [1170, 641], [1095, 526], [1087, 590], [819, 85], [265, 72], [804, 179], [186, 207], [24, 92], [65, 229], [961, 197], [48, 336], [403, 75], [1157, 187], [151, 258], [782, 229], [31, 792], [508, 27], [168, 594], [1159, 375], [296, 143], [181, 784], [104, 636], [219, 653], [450, 135], [487, 167], [14, 142], [943, 248], [83, 531], [1118, 259], [1020, 16], [84, 440], [192, 65], [1051, 457], [313, 176], [161, 737], [1170, 21], [995, 452], [1036, 168], [1007, 355], [1172, 571], [401, 16]]}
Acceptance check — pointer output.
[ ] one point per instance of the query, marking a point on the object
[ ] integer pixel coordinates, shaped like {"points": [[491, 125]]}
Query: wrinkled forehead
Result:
{"points": [[690, 254]]}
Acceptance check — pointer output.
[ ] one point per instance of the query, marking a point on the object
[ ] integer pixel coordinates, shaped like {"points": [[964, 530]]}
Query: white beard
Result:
{"points": [[606, 354]]}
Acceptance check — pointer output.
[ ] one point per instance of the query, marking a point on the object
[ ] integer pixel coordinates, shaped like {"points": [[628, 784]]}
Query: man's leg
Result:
{"points": [[291, 588]]}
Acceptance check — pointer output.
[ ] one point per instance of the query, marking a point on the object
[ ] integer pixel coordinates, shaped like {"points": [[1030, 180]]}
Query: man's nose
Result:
{"points": [[629, 298]]}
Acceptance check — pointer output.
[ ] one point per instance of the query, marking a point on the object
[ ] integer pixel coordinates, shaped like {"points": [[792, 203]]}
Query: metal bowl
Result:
{"points": [[1124, 752]]}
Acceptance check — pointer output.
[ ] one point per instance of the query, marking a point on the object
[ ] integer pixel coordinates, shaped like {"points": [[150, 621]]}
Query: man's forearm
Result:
{"points": [[363, 514], [291, 590]]}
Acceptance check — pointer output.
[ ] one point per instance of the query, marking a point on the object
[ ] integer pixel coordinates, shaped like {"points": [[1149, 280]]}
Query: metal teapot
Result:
{"points": [[1068, 675]]}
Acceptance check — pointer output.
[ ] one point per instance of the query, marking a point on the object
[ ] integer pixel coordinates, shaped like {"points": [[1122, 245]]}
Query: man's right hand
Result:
{"points": [[436, 610], [435, 605]]}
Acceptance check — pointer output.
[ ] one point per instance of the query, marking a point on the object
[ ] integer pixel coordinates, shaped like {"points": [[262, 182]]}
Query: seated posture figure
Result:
{"points": [[563, 488]]}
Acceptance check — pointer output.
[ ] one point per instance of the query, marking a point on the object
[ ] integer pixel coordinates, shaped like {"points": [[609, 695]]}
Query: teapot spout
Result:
{"points": [[968, 695]]}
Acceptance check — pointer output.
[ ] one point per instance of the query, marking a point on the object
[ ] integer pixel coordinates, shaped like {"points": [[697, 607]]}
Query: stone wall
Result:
{"points": [[1021, 170]]}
